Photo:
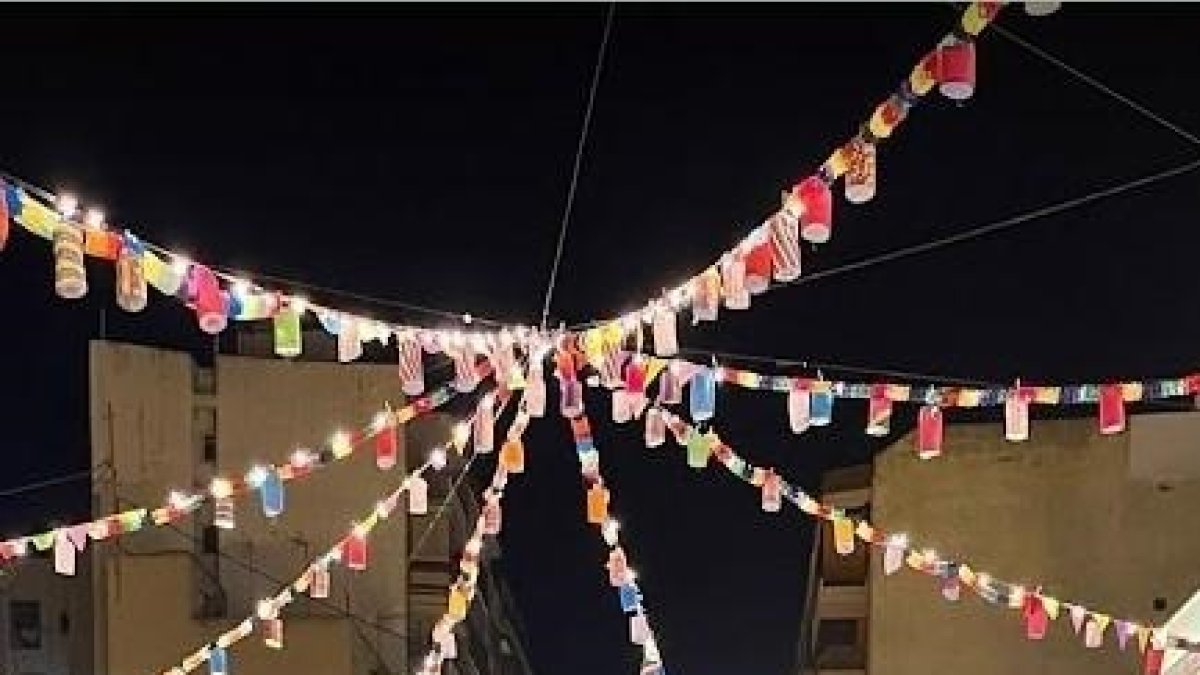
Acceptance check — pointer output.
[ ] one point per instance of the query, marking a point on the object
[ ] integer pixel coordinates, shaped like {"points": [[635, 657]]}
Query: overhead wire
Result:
{"points": [[979, 231], [52, 481], [999, 225], [580, 146], [1095, 83], [781, 361]]}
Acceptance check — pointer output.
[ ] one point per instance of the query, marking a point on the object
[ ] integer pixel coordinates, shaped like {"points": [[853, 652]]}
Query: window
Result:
{"points": [[840, 644], [210, 448], [837, 632], [210, 540], [25, 625]]}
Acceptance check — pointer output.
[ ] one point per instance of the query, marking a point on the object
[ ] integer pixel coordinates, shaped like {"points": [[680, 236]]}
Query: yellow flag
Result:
{"points": [[37, 218]]}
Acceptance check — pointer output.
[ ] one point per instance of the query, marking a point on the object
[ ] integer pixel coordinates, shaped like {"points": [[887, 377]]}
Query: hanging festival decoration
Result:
{"points": [[860, 171], [387, 441], [806, 212], [810, 401], [955, 67], [1037, 608], [289, 339], [350, 551], [784, 246], [267, 480], [597, 505], [131, 291], [930, 432], [70, 275], [463, 589]]}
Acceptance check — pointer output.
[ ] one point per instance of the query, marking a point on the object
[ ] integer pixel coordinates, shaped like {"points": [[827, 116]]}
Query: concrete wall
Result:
{"points": [[1076, 511], [151, 626], [147, 409], [62, 635], [264, 409]]}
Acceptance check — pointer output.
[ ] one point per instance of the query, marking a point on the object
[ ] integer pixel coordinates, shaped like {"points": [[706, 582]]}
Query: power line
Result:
{"points": [[999, 225], [1096, 84], [982, 230], [72, 477], [578, 163], [820, 365]]}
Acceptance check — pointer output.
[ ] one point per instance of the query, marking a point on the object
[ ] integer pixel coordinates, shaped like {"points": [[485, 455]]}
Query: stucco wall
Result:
{"points": [[1064, 509], [151, 626]]}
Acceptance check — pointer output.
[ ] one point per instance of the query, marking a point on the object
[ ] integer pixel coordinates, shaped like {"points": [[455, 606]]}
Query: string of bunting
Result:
{"points": [[140, 266], [598, 498], [810, 401], [351, 551], [266, 479], [1037, 607], [769, 252], [510, 461]]}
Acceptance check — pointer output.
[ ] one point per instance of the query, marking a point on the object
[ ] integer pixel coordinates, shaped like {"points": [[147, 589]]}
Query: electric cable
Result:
{"points": [[580, 146]]}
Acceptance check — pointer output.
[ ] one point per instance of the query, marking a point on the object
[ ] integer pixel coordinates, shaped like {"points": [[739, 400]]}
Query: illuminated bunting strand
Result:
{"points": [[351, 551], [66, 541], [598, 497], [810, 401], [140, 265], [770, 252], [1037, 607], [461, 594]]}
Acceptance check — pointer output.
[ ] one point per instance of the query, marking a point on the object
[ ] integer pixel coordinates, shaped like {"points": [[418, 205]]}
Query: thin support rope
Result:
{"points": [[576, 167]]}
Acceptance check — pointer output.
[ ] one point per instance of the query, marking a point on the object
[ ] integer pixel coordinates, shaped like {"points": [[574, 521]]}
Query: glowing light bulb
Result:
{"points": [[178, 500], [256, 476], [301, 458], [67, 204], [340, 444], [220, 488], [473, 547], [467, 319], [437, 458], [94, 218], [180, 264], [265, 609], [460, 435], [611, 531]]}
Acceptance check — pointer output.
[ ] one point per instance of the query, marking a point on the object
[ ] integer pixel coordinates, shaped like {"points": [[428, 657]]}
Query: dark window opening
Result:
{"points": [[210, 541], [210, 448], [25, 625]]}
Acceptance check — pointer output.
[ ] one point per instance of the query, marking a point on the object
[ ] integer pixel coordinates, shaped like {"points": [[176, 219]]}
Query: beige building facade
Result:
{"points": [[140, 603], [1101, 520]]}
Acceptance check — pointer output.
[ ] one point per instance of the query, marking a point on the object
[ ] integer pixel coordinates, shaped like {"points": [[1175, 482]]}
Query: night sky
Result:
{"points": [[422, 153]]}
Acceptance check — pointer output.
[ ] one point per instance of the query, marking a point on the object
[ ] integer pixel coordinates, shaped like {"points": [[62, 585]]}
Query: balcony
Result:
{"points": [[842, 602]]}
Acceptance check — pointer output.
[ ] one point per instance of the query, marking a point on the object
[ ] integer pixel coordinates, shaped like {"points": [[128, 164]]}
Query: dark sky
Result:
{"points": [[422, 153]]}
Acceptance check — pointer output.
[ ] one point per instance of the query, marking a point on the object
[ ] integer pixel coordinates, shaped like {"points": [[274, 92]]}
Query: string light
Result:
{"points": [[437, 458], [94, 219], [67, 205], [220, 488]]}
